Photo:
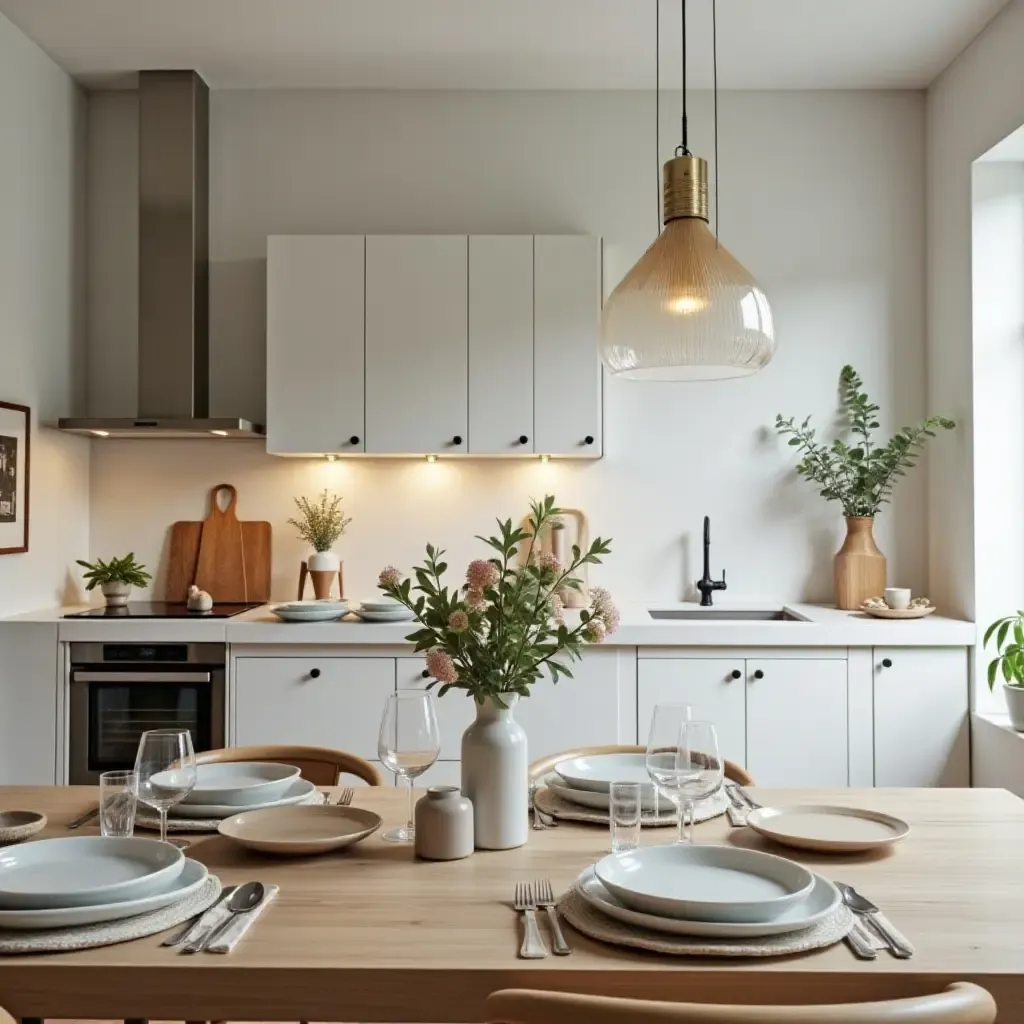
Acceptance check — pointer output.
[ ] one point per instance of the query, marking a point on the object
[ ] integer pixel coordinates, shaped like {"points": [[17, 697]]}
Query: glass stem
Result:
{"points": [[163, 824], [688, 811], [411, 826], [680, 836]]}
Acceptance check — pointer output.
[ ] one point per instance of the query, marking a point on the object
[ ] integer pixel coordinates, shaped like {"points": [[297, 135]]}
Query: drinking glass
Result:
{"points": [[408, 744], [166, 767], [701, 768], [662, 755], [119, 794], [624, 815]]}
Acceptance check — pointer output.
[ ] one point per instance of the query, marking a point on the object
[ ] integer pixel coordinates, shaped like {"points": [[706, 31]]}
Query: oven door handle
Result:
{"points": [[128, 678]]}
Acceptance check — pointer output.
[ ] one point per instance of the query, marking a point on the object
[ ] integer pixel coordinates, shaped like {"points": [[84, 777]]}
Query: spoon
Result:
{"points": [[245, 898]]}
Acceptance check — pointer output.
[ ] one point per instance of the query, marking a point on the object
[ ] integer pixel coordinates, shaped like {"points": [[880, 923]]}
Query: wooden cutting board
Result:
{"points": [[223, 555]]}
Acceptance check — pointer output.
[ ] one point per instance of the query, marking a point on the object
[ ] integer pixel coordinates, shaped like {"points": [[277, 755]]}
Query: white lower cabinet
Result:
{"points": [[921, 720], [315, 701]]}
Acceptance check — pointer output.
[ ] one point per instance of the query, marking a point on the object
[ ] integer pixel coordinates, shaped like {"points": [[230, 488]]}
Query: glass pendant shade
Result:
{"points": [[688, 310]]}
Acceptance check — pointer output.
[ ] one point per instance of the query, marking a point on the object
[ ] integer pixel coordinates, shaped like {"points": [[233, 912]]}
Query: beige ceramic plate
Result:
{"points": [[828, 829], [899, 613], [298, 831], [18, 825]]}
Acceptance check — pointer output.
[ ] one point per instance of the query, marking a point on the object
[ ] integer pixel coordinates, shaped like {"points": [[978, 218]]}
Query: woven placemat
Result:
{"points": [[584, 918], [550, 801], [88, 936], [152, 821]]}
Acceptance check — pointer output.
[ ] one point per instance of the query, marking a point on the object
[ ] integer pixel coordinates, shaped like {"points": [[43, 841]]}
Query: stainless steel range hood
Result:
{"points": [[174, 364]]}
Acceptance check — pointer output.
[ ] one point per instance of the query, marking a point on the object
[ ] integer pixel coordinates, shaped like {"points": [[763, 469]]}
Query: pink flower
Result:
{"points": [[389, 577], [604, 609], [594, 631], [610, 617], [441, 667], [475, 598], [458, 621], [546, 560], [558, 609], [481, 574]]}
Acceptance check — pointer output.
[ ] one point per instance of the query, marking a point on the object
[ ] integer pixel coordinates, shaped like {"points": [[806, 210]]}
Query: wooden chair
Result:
{"points": [[960, 1003], [543, 765], [319, 765]]}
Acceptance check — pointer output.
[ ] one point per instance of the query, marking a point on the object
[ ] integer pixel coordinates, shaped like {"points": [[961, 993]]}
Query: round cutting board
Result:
{"points": [[828, 829]]}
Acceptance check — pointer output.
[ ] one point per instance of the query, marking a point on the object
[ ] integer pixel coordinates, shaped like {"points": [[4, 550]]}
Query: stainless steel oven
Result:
{"points": [[120, 690]]}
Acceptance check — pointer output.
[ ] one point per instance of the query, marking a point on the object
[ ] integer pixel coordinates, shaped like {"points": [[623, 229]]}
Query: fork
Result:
{"points": [[346, 797], [532, 947], [544, 897]]}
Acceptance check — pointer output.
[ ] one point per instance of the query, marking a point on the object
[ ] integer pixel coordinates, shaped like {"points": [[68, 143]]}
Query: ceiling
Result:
{"points": [[505, 44]]}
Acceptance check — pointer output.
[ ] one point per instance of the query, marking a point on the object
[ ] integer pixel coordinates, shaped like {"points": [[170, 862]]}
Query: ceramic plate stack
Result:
{"points": [[58, 883], [327, 610], [721, 892], [231, 787], [383, 609], [587, 781]]}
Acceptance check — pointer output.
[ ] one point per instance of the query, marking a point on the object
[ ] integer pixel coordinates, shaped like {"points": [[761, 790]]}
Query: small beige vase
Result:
{"points": [[859, 565]]}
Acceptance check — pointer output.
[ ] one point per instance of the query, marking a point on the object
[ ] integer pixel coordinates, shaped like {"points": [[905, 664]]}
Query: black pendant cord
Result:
{"points": [[657, 112], [714, 79], [683, 148]]}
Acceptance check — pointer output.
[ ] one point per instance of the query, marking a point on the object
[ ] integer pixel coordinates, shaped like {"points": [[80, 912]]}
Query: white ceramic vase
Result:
{"points": [[323, 561], [116, 593], [495, 776], [1015, 705]]}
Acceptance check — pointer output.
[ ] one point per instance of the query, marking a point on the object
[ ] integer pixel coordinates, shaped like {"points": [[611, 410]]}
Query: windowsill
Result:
{"points": [[1000, 719]]}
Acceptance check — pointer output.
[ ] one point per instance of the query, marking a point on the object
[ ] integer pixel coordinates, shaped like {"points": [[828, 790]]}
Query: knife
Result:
{"points": [[859, 941], [185, 934], [84, 819], [863, 907]]}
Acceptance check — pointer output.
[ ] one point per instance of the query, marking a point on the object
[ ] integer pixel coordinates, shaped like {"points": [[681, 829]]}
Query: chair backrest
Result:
{"points": [[543, 765], [320, 765], [960, 1003]]}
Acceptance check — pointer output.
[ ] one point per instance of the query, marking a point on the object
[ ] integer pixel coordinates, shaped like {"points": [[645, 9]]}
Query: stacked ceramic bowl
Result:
{"points": [[62, 883], [326, 610], [383, 609], [586, 781], [229, 788]]}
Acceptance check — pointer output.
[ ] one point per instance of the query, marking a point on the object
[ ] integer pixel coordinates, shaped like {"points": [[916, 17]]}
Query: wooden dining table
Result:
{"points": [[371, 934]]}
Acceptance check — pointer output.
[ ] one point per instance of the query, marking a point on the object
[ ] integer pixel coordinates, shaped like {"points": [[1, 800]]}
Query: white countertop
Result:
{"points": [[821, 626]]}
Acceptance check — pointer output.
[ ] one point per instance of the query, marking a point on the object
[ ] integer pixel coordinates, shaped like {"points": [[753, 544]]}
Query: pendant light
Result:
{"points": [[688, 310]]}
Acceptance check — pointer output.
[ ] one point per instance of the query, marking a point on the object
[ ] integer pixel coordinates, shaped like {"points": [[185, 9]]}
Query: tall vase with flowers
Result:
{"points": [[493, 638]]}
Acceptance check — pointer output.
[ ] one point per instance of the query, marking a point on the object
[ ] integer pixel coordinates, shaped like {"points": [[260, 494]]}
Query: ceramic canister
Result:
{"points": [[444, 824]]}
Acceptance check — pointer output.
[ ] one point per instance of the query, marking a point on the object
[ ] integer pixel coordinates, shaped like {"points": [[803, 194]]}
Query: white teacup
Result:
{"points": [[897, 598]]}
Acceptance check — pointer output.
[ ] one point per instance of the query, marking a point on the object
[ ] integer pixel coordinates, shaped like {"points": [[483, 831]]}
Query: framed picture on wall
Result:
{"points": [[14, 473]]}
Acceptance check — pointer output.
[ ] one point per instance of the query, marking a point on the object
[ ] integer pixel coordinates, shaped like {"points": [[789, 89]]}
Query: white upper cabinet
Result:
{"points": [[501, 344], [417, 348], [315, 287], [567, 368]]}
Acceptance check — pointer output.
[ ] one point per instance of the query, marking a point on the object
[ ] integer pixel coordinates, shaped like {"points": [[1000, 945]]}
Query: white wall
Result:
{"points": [[822, 200], [42, 125]]}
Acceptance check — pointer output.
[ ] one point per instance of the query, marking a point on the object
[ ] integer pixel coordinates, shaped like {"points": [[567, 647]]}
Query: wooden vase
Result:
{"points": [[859, 565]]}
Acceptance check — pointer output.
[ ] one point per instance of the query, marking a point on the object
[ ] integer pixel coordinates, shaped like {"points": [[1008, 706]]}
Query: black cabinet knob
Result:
{"points": [[887, 663], [589, 439], [735, 673], [354, 439], [523, 439], [758, 674], [425, 674], [457, 439], [314, 673]]}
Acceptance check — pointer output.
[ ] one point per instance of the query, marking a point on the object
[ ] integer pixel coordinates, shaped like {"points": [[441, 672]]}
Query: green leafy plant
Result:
{"points": [[499, 632], [117, 570], [858, 472], [321, 522], [1009, 634]]}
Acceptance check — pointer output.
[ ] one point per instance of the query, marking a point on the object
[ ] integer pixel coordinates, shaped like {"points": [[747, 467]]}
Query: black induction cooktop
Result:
{"points": [[162, 610]]}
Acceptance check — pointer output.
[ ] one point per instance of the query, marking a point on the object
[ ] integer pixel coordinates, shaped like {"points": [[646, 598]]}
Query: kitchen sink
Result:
{"points": [[725, 615]]}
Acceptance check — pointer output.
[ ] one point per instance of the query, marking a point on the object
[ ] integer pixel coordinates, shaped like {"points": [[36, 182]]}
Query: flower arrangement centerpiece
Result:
{"points": [[320, 523], [494, 637]]}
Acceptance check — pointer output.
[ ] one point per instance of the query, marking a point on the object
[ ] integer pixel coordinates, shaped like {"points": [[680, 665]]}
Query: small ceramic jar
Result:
{"points": [[444, 824]]}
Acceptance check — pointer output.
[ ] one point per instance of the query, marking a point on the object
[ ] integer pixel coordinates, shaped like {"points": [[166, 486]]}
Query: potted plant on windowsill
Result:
{"points": [[493, 638], [860, 474], [115, 578], [1009, 662]]}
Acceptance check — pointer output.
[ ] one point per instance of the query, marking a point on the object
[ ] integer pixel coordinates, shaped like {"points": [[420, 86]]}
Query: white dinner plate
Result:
{"points": [[382, 604], [600, 801], [241, 783], [597, 772], [828, 829], [193, 875], [327, 614], [399, 615], [704, 883], [319, 603], [821, 901], [297, 791], [83, 871]]}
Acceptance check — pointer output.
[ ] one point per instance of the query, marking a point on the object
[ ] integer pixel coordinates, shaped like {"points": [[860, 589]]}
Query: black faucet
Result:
{"points": [[706, 585]]}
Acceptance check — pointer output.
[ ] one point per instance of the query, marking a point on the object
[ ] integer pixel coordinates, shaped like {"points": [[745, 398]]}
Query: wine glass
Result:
{"points": [[700, 768], [663, 750], [408, 744], [166, 767]]}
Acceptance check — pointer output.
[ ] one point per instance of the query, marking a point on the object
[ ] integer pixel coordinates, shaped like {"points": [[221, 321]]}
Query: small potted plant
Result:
{"points": [[320, 523], [115, 578], [860, 474], [1009, 662]]}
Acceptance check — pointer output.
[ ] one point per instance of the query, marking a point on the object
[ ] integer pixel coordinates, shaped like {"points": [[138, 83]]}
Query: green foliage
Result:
{"points": [[322, 522], [117, 570], [1009, 634], [510, 633], [857, 472]]}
